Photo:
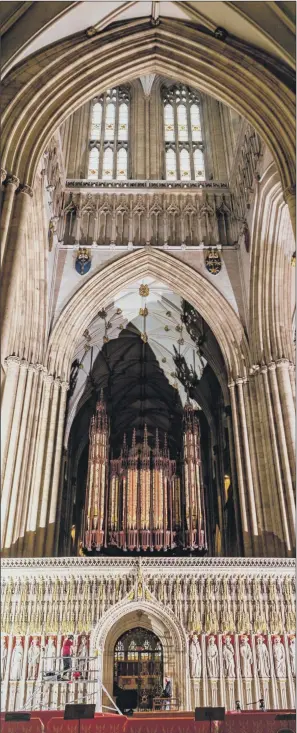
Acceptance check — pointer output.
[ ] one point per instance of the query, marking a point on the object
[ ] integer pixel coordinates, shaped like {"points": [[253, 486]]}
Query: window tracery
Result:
{"points": [[184, 159], [109, 136]]}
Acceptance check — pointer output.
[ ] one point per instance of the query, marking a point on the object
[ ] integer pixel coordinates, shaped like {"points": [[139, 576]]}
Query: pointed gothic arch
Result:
{"points": [[69, 73], [104, 284], [152, 615]]}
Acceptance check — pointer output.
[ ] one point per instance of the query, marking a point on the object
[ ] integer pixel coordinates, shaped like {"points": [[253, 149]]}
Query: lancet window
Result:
{"points": [[109, 135], [184, 158]]}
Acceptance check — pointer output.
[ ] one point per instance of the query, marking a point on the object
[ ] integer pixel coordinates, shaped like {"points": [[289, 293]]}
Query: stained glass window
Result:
{"points": [[122, 164], [184, 158], [170, 165], [109, 121], [185, 169], [182, 122], [199, 165], [93, 164], [169, 122], [107, 165], [195, 122], [96, 121], [109, 135], [123, 122]]}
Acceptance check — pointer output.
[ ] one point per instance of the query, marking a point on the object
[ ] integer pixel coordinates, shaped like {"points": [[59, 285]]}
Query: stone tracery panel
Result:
{"points": [[160, 218]]}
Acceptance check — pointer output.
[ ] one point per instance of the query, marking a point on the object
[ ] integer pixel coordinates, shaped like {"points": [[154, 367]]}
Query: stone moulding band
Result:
{"points": [[253, 565], [86, 183]]}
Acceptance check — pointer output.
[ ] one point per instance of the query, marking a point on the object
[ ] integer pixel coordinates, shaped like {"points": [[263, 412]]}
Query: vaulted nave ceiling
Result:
{"points": [[27, 27], [113, 354]]}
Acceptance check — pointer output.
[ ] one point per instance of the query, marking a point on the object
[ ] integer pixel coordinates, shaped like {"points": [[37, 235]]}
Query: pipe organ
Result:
{"points": [[142, 500]]}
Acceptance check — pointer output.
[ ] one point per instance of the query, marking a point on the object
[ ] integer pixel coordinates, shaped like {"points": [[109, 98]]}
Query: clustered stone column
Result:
{"points": [[31, 456], [15, 242], [11, 185], [263, 422]]}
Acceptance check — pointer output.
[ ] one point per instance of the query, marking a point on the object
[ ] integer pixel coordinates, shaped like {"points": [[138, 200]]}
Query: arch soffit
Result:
{"points": [[70, 73], [268, 208], [104, 285]]}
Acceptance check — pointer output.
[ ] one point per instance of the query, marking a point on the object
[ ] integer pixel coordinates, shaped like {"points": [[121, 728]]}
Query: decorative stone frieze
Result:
{"points": [[163, 218], [82, 183]]}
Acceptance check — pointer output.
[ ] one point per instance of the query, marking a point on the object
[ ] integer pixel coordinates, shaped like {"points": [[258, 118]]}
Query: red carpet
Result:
{"points": [[246, 722]]}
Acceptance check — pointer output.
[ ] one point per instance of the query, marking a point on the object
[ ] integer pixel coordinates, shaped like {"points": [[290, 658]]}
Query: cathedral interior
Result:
{"points": [[148, 355]]}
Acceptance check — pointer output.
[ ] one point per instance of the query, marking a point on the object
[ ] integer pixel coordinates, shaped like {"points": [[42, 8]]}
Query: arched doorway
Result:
{"points": [[138, 666], [149, 615]]}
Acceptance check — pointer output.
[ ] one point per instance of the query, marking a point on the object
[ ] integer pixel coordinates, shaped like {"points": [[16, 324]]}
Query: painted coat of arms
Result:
{"points": [[213, 262], [83, 261]]}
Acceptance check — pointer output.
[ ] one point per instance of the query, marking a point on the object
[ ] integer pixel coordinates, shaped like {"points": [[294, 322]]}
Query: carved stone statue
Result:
{"points": [[49, 655], [82, 655], [3, 656], [228, 658], [246, 657], [195, 656], [17, 660], [33, 658], [263, 662], [279, 657], [212, 658], [292, 656]]}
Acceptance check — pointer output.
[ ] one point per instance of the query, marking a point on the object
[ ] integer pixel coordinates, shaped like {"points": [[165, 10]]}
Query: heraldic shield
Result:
{"points": [[213, 262], [83, 261]]}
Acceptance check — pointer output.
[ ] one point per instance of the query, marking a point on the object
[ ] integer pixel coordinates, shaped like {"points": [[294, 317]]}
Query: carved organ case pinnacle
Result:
{"points": [[143, 500], [96, 494], [192, 481]]}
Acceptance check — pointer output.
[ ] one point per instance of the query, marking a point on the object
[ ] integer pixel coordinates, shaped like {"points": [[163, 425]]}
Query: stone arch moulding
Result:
{"points": [[104, 285], [67, 74], [150, 615]]}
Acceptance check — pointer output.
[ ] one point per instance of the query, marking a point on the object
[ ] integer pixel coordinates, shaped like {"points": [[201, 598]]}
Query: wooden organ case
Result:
{"points": [[139, 501]]}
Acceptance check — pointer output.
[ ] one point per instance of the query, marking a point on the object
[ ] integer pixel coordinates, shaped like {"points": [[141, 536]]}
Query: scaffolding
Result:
{"points": [[69, 680]]}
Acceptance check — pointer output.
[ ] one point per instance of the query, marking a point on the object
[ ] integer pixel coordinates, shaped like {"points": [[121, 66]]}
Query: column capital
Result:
{"points": [[280, 363], [24, 188], [33, 368], [48, 380], [240, 380], [13, 180], [24, 364], [272, 366], [290, 193], [65, 386], [40, 368], [254, 370], [12, 360]]}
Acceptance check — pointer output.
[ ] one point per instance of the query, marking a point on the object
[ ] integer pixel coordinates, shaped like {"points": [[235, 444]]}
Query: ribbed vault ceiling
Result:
{"points": [[129, 351], [27, 27]]}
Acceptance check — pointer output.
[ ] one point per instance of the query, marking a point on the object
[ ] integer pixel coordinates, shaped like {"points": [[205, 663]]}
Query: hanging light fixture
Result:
{"points": [[144, 291]]}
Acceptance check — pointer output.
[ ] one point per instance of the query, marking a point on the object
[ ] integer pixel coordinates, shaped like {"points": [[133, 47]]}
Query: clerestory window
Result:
{"points": [[109, 136], [184, 158]]}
